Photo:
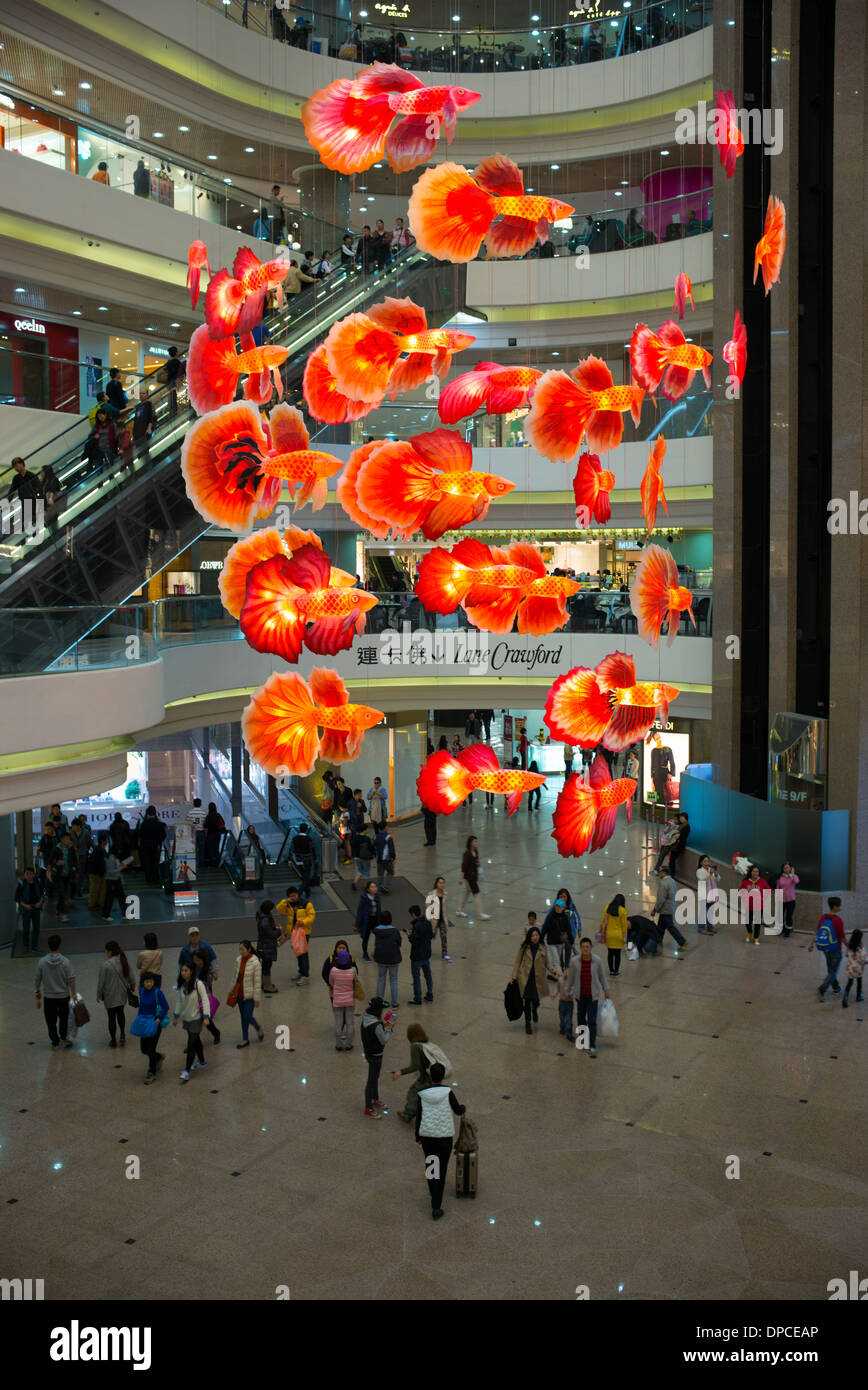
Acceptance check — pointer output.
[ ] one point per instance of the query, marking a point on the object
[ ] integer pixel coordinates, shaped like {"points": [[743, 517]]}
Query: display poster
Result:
{"points": [[664, 758]]}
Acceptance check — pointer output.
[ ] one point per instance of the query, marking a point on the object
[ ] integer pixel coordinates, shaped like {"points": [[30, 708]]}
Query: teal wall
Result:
{"points": [[694, 550]]}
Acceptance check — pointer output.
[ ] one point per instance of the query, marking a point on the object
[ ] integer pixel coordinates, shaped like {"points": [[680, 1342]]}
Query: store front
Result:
{"points": [[38, 362], [38, 134]]}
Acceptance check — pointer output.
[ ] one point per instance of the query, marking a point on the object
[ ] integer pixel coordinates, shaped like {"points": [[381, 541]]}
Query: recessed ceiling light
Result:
{"points": [[529, 188], [19, 289], [556, 354], [184, 128], [664, 151], [238, 226], [212, 156], [363, 14], [625, 183], [174, 325], [554, 166], [76, 313], [85, 86], [149, 329], [370, 197], [618, 193], [58, 92], [248, 149], [102, 308], [456, 19], [158, 135], [227, 180], [534, 18]]}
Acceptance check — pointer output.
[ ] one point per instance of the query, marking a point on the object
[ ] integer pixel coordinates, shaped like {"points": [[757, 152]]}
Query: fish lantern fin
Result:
{"points": [[500, 175], [385, 77], [479, 758], [245, 261], [629, 723], [510, 236], [400, 316], [444, 449], [576, 710], [574, 816], [288, 430], [616, 671], [327, 687], [599, 776], [309, 568], [604, 827], [593, 374]]}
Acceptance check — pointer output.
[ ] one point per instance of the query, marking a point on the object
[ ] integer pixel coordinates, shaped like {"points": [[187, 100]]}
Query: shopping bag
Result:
{"points": [[512, 1001], [607, 1020], [80, 1013]]}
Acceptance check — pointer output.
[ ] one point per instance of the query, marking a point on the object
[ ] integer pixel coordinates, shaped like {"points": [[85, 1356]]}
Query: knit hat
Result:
{"points": [[342, 959]]}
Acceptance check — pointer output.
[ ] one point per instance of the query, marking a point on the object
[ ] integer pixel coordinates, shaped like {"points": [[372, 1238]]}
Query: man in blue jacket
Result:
{"points": [[384, 848]]}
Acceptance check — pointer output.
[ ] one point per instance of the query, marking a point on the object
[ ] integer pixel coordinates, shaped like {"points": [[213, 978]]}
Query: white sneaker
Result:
{"points": [[485, 916], [461, 914], [185, 1076]]}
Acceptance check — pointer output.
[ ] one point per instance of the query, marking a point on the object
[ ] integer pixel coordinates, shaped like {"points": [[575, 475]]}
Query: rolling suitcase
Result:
{"points": [[466, 1174]]}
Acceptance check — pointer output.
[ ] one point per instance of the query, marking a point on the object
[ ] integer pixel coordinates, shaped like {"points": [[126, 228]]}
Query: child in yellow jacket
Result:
{"points": [[614, 923], [301, 915]]}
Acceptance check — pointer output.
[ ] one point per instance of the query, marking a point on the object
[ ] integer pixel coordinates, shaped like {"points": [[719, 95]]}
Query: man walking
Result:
{"points": [[55, 990], [586, 982], [29, 898], [384, 848], [664, 908], [830, 939]]}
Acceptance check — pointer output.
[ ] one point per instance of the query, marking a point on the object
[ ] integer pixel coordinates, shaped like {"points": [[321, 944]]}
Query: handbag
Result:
{"points": [[145, 1025], [467, 1141], [233, 995], [132, 999], [80, 1013], [358, 990], [512, 1001], [213, 1003], [600, 938]]}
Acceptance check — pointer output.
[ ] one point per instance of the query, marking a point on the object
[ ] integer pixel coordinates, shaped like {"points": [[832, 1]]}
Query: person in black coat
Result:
{"points": [[420, 934], [152, 833], [268, 933], [214, 828], [368, 914], [387, 954], [645, 934], [121, 836], [329, 961]]}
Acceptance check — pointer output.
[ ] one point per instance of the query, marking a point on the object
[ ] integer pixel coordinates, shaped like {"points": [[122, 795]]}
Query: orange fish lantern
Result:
{"points": [[494, 587], [424, 484], [282, 722], [497, 388], [234, 470], [585, 815], [445, 781], [197, 258], [348, 121], [213, 369], [348, 495], [291, 603], [667, 357], [566, 409], [683, 292], [606, 704], [728, 137], [657, 597], [652, 484], [259, 546], [735, 351], [769, 250], [365, 352], [234, 303], [452, 212], [591, 487], [324, 401]]}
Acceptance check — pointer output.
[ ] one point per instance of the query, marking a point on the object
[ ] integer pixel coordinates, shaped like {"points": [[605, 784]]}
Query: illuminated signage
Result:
{"points": [[210, 564], [392, 11], [29, 326]]}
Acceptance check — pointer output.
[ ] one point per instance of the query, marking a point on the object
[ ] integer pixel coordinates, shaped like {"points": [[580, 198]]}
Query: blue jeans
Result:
{"points": [[587, 1014], [833, 960], [667, 922], [393, 982], [420, 968], [565, 1016], [372, 1085], [245, 1008]]}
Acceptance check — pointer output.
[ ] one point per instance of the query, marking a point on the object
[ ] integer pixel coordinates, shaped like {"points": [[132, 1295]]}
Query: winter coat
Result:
{"points": [[421, 935], [470, 870], [252, 983], [341, 982], [522, 968], [367, 912], [435, 910], [437, 1106], [112, 984], [267, 933], [387, 945], [598, 977]]}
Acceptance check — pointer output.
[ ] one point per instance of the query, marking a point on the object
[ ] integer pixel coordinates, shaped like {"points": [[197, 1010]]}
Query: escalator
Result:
{"points": [[116, 528], [386, 575]]}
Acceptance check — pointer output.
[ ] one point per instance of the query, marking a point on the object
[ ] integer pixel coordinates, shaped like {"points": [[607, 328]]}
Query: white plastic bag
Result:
{"points": [[607, 1020], [632, 952]]}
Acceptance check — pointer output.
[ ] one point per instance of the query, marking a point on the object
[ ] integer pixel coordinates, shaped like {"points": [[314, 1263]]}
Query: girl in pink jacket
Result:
{"points": [[341, 988], [787, 880]]}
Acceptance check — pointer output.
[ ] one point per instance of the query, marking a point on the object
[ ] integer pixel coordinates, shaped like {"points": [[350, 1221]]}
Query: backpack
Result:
{"points": [[365, 849], [433, 1053], [826, 940]]}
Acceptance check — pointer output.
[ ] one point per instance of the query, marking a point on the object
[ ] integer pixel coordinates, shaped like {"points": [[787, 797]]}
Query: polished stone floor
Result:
{"points": [[607, 1172]]}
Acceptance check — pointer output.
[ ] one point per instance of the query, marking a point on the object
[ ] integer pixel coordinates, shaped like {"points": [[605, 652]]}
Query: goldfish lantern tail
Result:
{"points": [[649, 596], [574, 817], [288, 430], [324, 401], [443, 784], [280, 726], [577, 710], [240, 560], [776, 235], [466, 394], [538, 615], [559, 416], [411, 142], [360, 356], [224, 300], [270, 619], [395, 483], [442, 582], [221, 462], [212, 377], [346, 128], [449, 214], [348, 495], [503, 397], [647, 357]]}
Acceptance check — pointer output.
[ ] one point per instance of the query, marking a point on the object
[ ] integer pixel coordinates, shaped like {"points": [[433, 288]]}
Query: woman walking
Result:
{"points": [[342, 984], [191, 1008], [614, 924], [437, 914], [752, 893], [419, 1064], [147, 1025], [707, 893], [268, 936], [787, 882], [469, 876], [530, 971], [368, 914], [114, 984], [248, 990], [855, 959], [435, 1131], [150, 960], [204, 968]]}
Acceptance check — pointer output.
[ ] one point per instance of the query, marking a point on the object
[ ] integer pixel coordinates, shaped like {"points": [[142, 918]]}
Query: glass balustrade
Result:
{"points": [[390, 33]]}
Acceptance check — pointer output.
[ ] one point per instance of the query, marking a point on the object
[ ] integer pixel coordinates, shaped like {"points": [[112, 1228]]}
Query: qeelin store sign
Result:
{"points": [[42, 361], [29, 326]]}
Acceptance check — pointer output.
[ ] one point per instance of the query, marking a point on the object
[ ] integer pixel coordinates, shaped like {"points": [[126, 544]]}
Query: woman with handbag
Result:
{"points": [[247, 991], [471, 872], [613, 926], [192, 1007], [153, 1015], [342, 982], [114, 988], [530, 972], [205, 972], [268, 936]]}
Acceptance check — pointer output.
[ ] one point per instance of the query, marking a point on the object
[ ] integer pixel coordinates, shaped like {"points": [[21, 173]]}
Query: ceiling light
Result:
{"points": [[534, 18], [554, 166], [59, 92], [363, 188], [174, 325], [185, 128], [238, 226], [370, 197], [664, 151], [618, 193], [529, 189], [158, 135], [456, 19], [625, 183], [556, 354], [76, 313], [534, 33], [102, 308], [227, 180], [248, 149], [212, 156], [363, 14], [85, 86], [19, 289]]}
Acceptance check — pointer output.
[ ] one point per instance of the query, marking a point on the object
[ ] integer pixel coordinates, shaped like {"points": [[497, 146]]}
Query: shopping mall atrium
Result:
{"points": [[399, 404]]}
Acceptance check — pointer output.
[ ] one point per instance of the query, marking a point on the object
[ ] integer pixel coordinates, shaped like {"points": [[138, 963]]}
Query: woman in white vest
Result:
{"points": [[435, 1131]]}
